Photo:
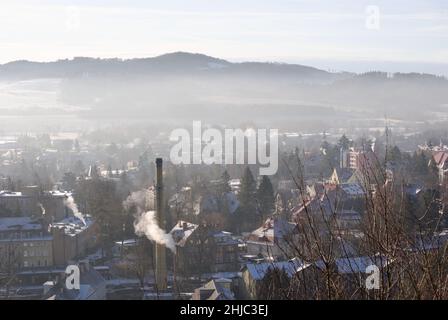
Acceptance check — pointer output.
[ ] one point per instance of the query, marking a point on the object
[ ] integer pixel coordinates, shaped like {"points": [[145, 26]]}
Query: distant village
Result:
{"points": [[337, 207]]}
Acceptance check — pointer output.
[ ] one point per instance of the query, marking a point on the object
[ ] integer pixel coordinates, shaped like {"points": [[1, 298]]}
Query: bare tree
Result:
{"points": [[412, 262]]}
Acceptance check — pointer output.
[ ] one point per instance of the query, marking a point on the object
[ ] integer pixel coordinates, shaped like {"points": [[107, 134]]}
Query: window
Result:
{"points": [[25, 253]]}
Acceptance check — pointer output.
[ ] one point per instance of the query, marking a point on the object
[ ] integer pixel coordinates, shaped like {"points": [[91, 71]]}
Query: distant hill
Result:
{"points": [[168, 64], [187, 85]]}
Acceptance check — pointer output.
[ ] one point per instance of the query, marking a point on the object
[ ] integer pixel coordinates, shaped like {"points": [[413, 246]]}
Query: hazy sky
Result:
{"points": [[410, 34]]}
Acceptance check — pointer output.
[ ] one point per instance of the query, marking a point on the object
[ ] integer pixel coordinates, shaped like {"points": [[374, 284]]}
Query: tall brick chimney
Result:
{"points": [[161, 274]]}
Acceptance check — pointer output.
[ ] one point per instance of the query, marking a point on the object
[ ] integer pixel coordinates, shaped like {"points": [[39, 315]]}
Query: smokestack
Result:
{"points": [[161, 275]]}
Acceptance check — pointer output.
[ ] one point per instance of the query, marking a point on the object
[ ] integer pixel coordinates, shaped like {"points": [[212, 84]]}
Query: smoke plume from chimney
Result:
{"points": [[42, 209], [146, 224], [145, 221], [71, 204]]}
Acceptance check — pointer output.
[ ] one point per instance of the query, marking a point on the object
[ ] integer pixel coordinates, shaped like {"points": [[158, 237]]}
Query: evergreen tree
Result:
{"points": [[99, 198], [225, 183], [344, 142], [78, 168], [420, 163], [145, 170], [69, 181], [265, 196], [394, 155], [247, 196], [330, 156], [143, 161]]}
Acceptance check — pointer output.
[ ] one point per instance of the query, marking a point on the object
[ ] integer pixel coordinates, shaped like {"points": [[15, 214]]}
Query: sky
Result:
{"points": [[352, 35]]}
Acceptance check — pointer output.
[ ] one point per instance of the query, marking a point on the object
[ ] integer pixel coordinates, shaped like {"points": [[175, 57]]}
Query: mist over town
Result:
{"points": [[187, 170]]}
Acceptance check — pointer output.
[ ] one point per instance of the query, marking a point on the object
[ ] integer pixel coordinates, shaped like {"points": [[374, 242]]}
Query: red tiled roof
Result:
{"points": [[440, 158]]}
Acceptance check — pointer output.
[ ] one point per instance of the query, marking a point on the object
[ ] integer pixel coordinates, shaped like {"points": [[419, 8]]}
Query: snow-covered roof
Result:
{"points": [[127, 243], [58, 193], [221, 275], [6, 193], [235, 182], [224, 238], [352, 189], [273, 229], [53, 193], [348, 265], [72, 225], [41, 270], [216, 289], [91, 283], [210, 202], [19, 223], [291, 267], [182, 231]]}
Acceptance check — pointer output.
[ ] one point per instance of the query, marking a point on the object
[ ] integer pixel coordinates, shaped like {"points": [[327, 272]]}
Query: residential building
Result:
{"points": [[32, 202], [72, 239], [216, 289], [255, 276], [24, 243], [92, 286], [202, 249], [349, 158], [17, 204], [440, 159], [273, 239]]}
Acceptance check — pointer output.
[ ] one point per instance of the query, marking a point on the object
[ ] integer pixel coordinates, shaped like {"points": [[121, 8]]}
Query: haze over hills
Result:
{"points": [[172, 63], [194, 86]]}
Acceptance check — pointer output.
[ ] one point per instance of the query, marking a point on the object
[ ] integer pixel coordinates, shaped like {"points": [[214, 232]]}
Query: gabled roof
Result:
{"points": [[356, 177], [182, 231], [323, 203], [440, 157], [340, 175], [210, 202], [273, 229], [217, 289]]}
